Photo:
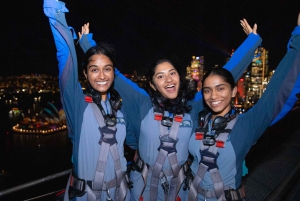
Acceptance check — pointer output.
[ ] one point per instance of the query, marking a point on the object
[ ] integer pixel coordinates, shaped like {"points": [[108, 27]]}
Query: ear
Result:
{"points": [[234, 91], [152, 86], [84, 73]]}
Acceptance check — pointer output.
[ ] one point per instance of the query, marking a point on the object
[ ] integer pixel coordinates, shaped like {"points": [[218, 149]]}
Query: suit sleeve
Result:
{"points": [[282, 86], [67, 64]]}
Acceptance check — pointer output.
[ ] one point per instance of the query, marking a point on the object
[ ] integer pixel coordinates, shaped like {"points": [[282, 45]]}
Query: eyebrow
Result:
{"points": [[163, 72], [97, 66], [214, 86]]}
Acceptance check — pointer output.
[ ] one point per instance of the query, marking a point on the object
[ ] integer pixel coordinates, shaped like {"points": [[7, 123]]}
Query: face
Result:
{"points": [[100, 73], [218, 94], [166, 80]]}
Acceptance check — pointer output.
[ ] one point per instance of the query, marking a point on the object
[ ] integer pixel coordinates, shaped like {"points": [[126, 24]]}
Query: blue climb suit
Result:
{"points": [[82, 124], [252, 124], [145, 133]]}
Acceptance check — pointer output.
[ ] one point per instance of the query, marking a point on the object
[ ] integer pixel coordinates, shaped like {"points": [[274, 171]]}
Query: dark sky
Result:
{"points": [[143, 30]]}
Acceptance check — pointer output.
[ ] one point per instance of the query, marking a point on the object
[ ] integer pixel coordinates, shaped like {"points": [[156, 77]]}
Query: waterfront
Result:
{"points": [[27, 157]]}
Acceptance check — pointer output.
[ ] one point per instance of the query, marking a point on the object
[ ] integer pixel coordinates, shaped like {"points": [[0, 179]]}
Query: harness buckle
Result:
{"points": [[158, 116], [137, 163], [108, 197], [212, 164], [164, 182], [189, 177], [128, 181], [76, 187], [108, 136], [167, 144]]}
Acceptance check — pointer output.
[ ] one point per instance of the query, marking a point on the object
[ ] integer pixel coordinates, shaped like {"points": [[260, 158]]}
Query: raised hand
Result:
{"points": [[84, 30], [247, 28]]}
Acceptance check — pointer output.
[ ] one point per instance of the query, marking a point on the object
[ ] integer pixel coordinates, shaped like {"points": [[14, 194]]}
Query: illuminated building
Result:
{"points": [[195, 71]]}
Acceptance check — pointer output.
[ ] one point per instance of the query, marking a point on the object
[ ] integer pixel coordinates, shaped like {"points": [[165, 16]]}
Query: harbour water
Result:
{"points": [[27, 157]]}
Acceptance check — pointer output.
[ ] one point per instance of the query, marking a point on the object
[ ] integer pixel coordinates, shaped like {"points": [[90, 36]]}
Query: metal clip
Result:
{"points": [[164, 182], [108, 198]]}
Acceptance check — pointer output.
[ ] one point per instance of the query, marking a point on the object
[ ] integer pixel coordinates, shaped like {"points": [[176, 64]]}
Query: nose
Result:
{"points": [[168, 78], [214, 94], [101, 74]]}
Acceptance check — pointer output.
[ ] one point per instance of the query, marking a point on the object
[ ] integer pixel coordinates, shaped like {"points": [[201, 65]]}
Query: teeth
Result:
{"points": [[170, 86], [101, 83], [215, 102]]}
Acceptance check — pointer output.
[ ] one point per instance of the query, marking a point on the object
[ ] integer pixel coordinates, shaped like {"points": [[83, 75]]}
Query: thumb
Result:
{"points": [[255, 29]]}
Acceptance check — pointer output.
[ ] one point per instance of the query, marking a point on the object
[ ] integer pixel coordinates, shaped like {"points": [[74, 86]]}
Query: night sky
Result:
{"points": [[144, 30]]}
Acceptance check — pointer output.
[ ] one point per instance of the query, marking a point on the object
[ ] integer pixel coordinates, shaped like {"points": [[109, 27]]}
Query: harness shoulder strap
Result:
{"points": [[209, 155], [108, 143], [166, 149]]}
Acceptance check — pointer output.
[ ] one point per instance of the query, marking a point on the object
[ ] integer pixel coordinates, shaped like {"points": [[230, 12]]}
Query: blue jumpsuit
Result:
{"points": [[139, 111], [82, 123], [252, 124]]}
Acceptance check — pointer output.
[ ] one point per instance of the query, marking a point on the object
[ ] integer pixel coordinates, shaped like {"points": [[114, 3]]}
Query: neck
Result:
{"points": [[103, 96]]}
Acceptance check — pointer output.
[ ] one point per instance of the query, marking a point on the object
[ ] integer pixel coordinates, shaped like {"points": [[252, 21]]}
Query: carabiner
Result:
{"points": [[108, 198]]}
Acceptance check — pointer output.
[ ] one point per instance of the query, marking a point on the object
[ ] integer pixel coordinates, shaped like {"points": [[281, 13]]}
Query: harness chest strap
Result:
{"points": [[208, 162], [108, 144]]}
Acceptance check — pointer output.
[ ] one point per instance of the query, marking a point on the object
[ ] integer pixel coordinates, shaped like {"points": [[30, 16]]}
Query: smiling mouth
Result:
{"points": [[101, 83], [170, 88], [215, 102]]}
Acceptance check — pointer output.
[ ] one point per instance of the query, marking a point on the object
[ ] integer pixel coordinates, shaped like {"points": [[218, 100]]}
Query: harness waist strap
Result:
{"points": [[238, 194]]}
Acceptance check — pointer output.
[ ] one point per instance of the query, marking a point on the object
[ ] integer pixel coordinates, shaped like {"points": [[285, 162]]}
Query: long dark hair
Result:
{"points": [[187, 89]]}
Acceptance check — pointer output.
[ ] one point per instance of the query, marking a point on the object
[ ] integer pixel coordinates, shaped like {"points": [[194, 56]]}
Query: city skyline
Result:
{"points": [[142, 31]]}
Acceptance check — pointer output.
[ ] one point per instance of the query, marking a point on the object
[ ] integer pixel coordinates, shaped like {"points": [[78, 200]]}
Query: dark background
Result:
{"points": [[143, 30]]}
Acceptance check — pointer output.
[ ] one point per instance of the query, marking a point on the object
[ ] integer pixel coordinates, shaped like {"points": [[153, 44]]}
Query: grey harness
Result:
{"points": [[108, 144], [209, 155], [167, 149]]}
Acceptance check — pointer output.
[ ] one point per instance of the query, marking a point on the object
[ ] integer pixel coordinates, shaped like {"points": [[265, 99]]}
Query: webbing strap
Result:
{"points": [[108, 134], [193, 193], [160, 160]]}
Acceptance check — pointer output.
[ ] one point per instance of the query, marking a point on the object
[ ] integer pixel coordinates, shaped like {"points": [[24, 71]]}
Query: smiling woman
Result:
{"points": [[99, 70], [218, 90], [95, 122]]}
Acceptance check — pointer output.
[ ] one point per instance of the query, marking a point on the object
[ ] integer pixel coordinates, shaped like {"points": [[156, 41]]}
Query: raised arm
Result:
{"points": [[284, 84], [67, 59], [243, 56], [289, 103]]}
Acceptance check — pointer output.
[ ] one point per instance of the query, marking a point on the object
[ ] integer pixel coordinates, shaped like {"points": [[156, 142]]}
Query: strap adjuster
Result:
{"points": [[158, 116]]}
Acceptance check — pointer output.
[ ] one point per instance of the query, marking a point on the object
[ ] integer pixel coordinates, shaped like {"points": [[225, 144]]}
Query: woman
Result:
{"points": [[162, 121], [96, 125], [223, 138]]}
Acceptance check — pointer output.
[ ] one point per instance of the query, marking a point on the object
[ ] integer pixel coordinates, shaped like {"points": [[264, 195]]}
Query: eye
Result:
{"points": [[173, 73], [206, 91], [159, 76], [221, 89], [107, 69], [93, 70]]}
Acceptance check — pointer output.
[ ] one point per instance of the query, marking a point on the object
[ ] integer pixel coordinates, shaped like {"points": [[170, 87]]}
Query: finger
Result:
{"points": [[254, 29], [79, 34]]}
